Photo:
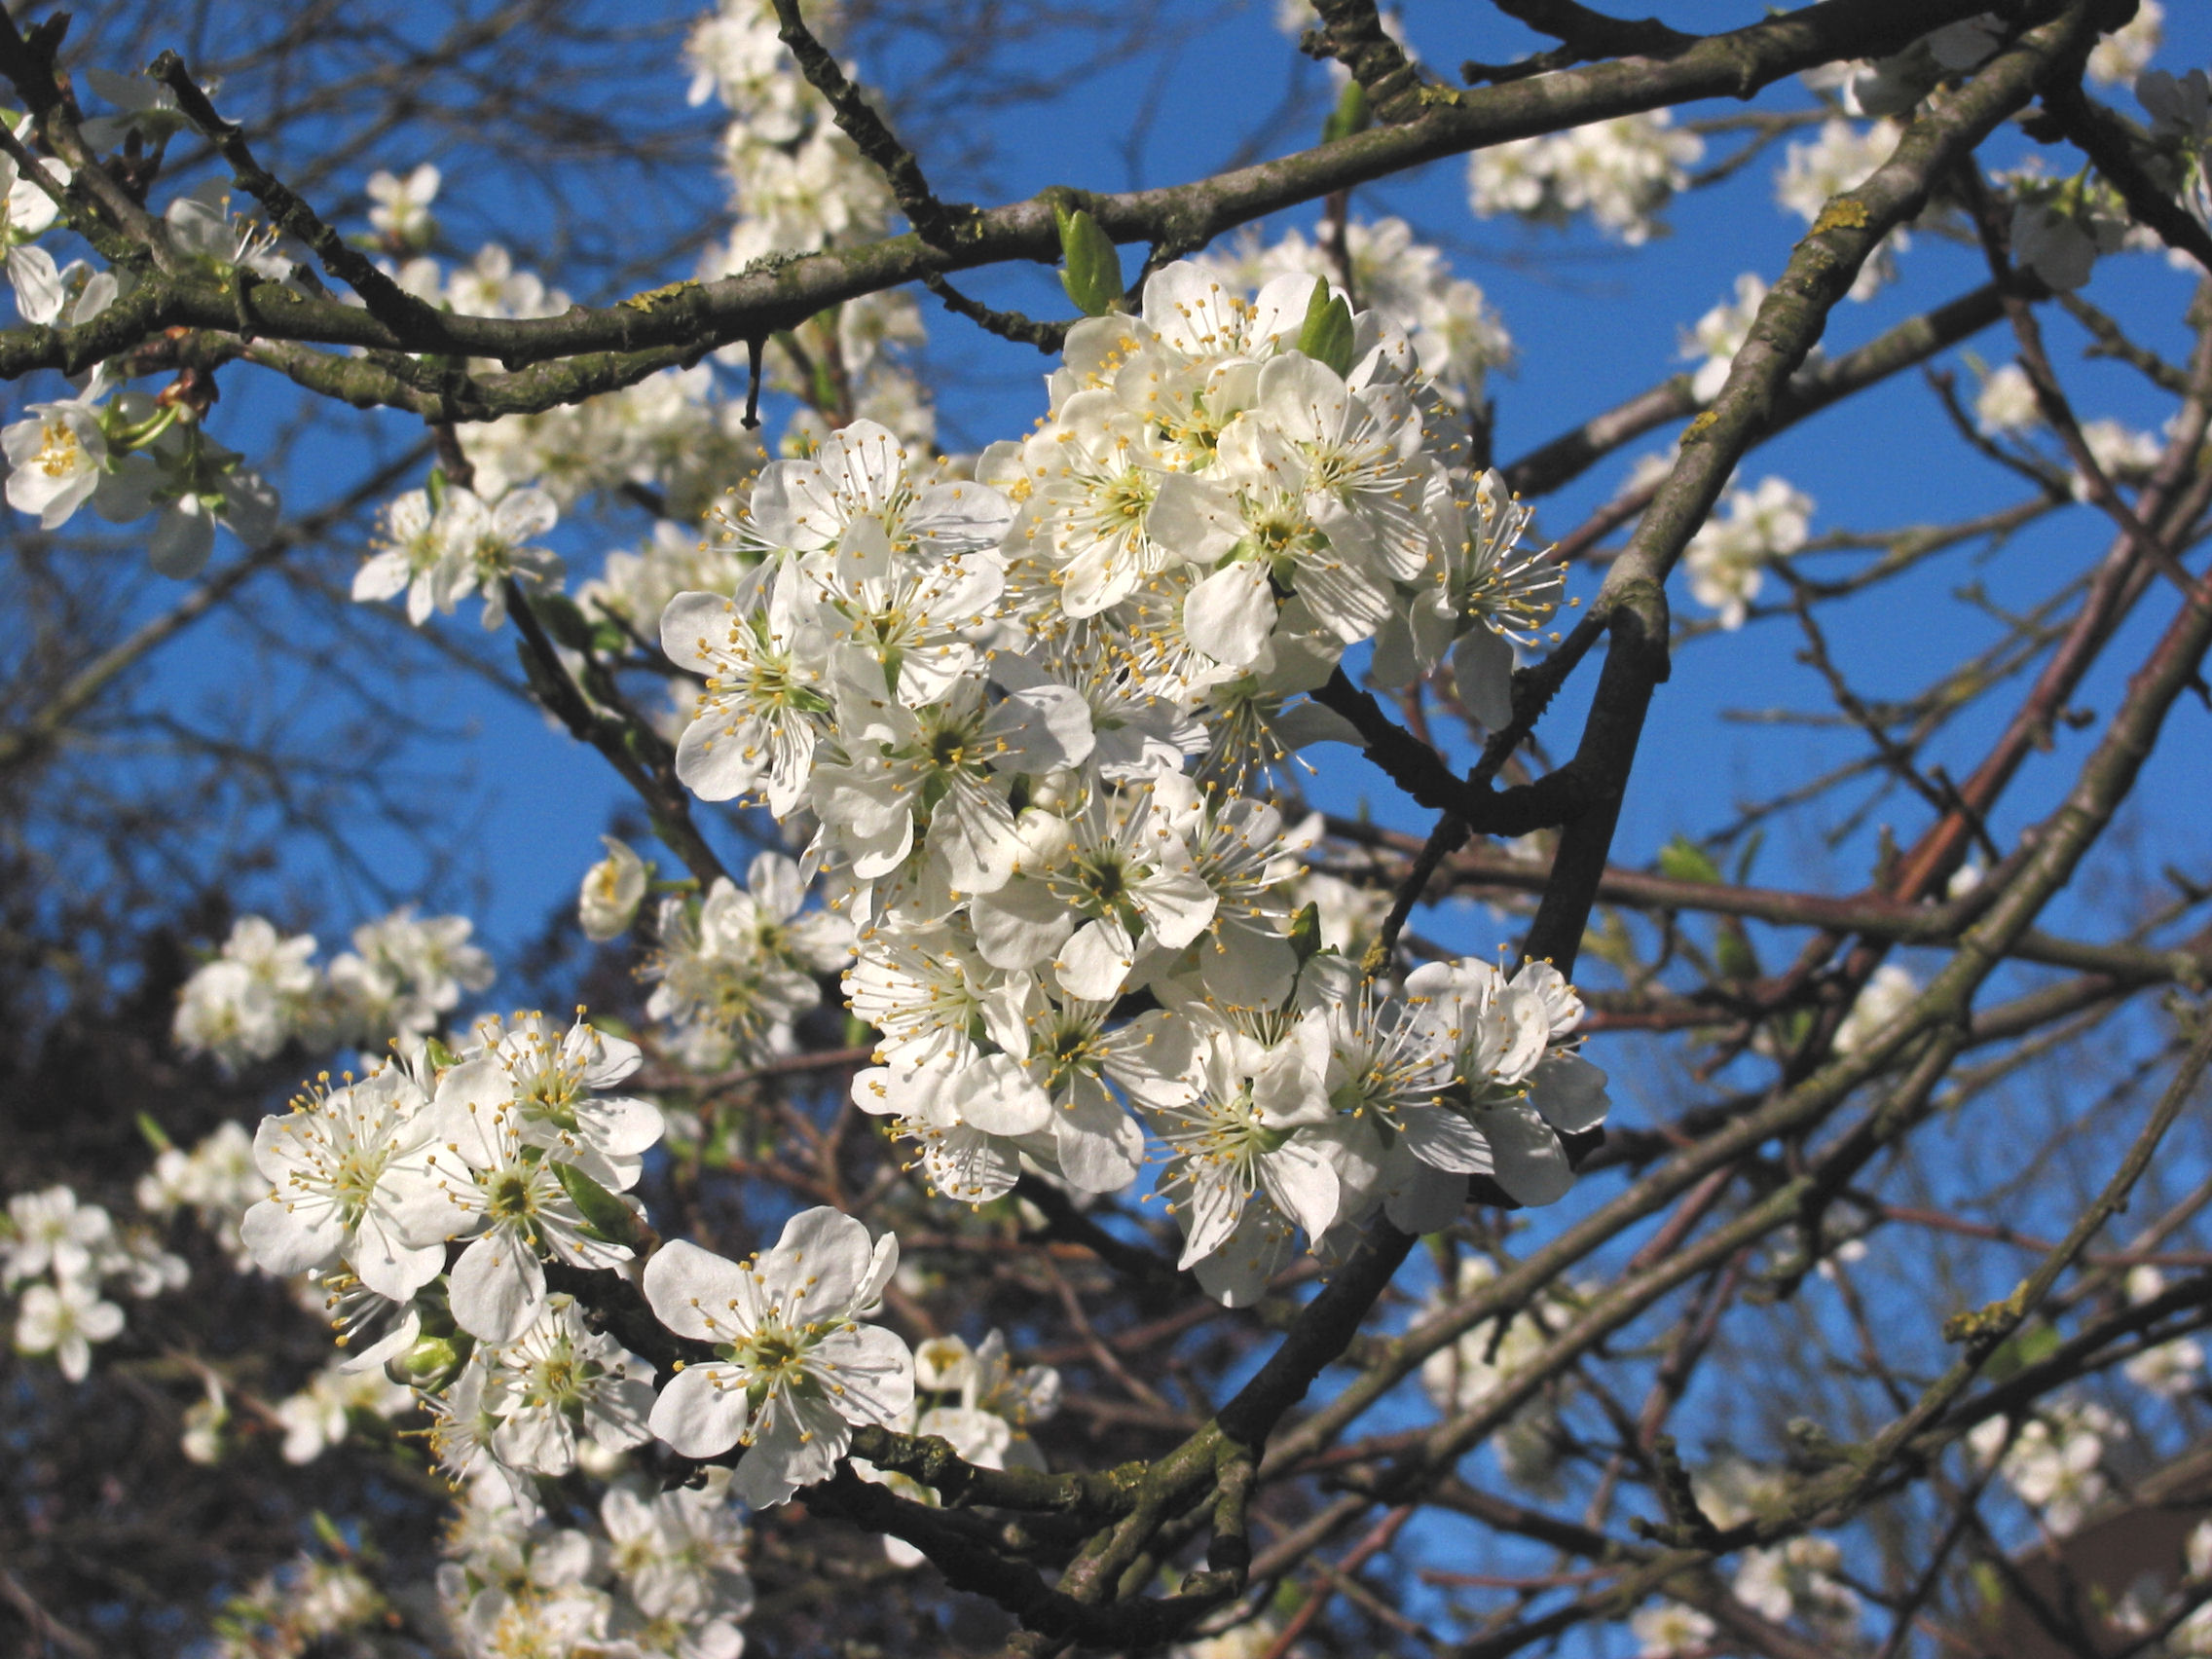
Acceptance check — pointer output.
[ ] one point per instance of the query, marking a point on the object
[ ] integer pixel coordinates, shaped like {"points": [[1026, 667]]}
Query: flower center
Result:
{"points": [[511, 1196], [60, 454]]}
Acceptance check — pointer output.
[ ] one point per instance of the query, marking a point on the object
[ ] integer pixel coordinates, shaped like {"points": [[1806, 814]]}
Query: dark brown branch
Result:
{"points": [[387, 302], [627, 341], [934, 221], [1046, 337]]}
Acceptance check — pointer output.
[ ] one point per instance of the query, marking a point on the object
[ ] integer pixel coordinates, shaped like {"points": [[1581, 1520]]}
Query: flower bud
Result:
{"points": [[431, 1363]]}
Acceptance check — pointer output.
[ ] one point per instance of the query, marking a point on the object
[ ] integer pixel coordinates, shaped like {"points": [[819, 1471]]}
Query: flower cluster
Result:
{"points": [[1888, 992], [216, 1180], [2122, 453], [130, 456], [1727, 558], [2119, 57], [2061, 227], [1720, 334], [320, 1417], [1668, 1630], [59, 1257], [1800, 1579], [2052, 1461], [30, 212], [633, 587], [736, 968], [1454, 334], [1460, 1376], [508, 1145], [437, 551], [1034, 717], [980, 1405], [310, 1604], [1621, 172], [425, 1202], [2005, 403], [263, 990], [797, 185], [2171, 1370], [1842, 156], [668, 435], [649, 1576]]}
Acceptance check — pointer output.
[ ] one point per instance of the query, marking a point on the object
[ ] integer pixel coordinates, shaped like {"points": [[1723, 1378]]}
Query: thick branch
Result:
{"points": [[690, 319]]}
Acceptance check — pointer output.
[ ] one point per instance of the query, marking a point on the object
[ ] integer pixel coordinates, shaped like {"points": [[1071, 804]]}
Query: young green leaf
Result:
{"points": [[1326, 337], [1092, 271], [1349, 116]]}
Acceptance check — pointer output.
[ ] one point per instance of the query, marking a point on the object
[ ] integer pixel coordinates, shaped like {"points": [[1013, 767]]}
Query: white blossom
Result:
{"points": [[612, 890], [2119, 57], [489, 1178], [2007, 402], [349, 1172], [402, 210], [1727, 557], [796, 1366], [65, 1319], [1620, 171]]}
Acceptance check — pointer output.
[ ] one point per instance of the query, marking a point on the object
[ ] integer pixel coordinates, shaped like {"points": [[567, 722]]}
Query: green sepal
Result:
{"points": [[1092, 271], [440, 1056], [1306, 933], [551, 692], [2025, 1347], [1326, 337], [604, 1214], [435, 487], [157, 1137], [1683, 859], [1349, 116], [563, 619], [1733, 950]]}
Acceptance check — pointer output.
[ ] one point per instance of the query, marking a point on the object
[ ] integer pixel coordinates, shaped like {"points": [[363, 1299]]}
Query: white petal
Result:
{"points": [[702, 1410], [1094, 964], [1481, 662], [284, 1242], [1423, 1197], [1570, 1093], [874, 1369], [1230, 614], [1021, 925], [1303, 1183], [1099, 1146], [686, 1285], [1531, 1165], [1441, 1139], [499, 1288], [818, 1263], [999, 1097], [1193, 519]]}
